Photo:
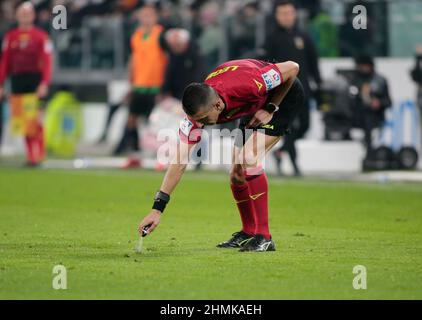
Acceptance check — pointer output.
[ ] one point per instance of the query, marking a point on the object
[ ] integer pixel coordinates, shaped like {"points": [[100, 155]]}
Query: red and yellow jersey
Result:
{"points": [[149, 60], [243, 85], [26, 51]]}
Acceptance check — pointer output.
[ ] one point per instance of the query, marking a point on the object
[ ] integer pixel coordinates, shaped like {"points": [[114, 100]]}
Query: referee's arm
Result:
{"points": [[171, 179], [177, 167], [289, 71]]}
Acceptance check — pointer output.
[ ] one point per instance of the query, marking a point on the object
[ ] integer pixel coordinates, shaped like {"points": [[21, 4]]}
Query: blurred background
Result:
{"points": [[363, 112]]}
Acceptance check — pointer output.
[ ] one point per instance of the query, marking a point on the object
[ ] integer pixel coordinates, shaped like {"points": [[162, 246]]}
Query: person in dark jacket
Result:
{"points": [[416, 75], [287, 42], [372, 97], [185, 65]]}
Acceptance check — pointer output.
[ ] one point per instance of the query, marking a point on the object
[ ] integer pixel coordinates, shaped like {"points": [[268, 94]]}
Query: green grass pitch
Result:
{"points": [[87, 221]]}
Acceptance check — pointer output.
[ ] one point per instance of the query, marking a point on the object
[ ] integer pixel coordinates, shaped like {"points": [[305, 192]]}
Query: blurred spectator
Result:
{"points": [[287, 42], [243, 27], [44, 19], [417, 77], [192, 19], [6, 16], [102, 47], [372, 98], [26, 59], [211, 38], [168, 15], [186, 64], [127, 5], [146, 68], [325, 34]]}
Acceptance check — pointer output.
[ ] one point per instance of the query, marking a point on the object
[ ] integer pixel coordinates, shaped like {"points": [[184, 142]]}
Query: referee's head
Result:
{"points": [[202, 103]]}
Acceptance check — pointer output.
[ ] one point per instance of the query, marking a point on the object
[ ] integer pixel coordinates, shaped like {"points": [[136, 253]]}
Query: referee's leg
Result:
{"points": [[250, 190]]}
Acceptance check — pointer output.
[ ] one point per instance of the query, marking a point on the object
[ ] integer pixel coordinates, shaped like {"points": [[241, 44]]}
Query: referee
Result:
{"points": [[27, 61]]}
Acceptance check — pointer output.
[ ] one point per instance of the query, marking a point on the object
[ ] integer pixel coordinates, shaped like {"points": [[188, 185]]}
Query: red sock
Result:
{"points": [[40, 144], [245, 205], [30, 149], [258, 186]]}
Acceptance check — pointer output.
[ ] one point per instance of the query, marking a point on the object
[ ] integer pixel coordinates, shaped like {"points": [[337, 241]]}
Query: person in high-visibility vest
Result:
{"points": [[147, 68]]}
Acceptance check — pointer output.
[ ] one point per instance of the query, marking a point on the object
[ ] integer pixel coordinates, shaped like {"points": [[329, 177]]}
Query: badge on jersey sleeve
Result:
{"points": [[48, 47], [186, 126], [271, 79], [189, 132]]}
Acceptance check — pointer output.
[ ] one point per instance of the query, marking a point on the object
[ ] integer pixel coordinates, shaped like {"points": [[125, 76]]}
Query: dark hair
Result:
{"points": [[146, 4], [365, 59], [195, 97], [280, 3]]}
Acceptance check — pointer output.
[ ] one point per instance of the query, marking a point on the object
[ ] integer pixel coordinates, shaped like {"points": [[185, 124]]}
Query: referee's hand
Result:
{"points": [[260, 117], [42, 91], [152, 220]]}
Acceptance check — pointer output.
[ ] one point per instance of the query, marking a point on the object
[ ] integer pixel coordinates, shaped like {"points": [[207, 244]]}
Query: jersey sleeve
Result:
{"points": [[271, 77], [189, 131], [47, 56], [4, 59]]}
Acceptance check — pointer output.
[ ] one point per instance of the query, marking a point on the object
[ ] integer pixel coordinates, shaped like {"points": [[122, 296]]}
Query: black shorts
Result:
{"points": [[141, 104], [282, 119], [25, 83]]}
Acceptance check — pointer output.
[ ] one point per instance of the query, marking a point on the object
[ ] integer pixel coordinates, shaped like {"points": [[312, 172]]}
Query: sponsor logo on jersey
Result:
{"points": [[185, 126], [271, 79], [221, 71], [268, 126]]}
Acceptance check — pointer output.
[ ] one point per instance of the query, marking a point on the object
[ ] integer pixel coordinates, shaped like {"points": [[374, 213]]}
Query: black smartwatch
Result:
{"points": [[271, 107]]}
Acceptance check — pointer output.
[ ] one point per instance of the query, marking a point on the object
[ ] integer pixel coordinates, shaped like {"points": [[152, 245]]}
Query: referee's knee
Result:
{"points": [[237, 175]]}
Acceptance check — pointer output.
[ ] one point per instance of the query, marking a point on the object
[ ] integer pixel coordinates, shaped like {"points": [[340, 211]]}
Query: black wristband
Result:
{"points": [[160, 201]]}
